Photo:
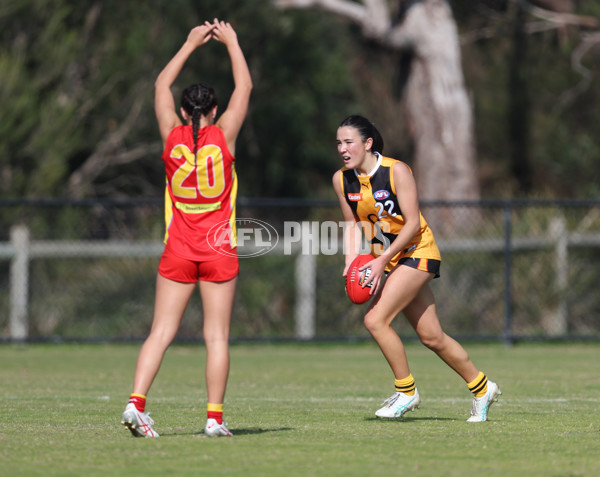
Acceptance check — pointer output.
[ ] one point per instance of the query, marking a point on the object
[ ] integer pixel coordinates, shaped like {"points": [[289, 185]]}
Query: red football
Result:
{"points": [[355, 279]]}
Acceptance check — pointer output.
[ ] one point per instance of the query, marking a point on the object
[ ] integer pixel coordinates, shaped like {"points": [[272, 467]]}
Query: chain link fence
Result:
{"points": [[85, 270]]}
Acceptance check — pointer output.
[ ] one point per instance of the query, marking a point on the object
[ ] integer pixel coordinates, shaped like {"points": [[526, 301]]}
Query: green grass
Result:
{"points": [[299, 410]]}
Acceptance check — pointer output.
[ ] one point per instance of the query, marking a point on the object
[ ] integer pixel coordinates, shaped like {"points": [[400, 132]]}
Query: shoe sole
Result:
{"points": [[217, 433], [130, 425], [494, 397]]}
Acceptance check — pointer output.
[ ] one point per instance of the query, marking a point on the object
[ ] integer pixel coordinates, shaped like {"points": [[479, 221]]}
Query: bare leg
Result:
{"points": [[217, 301], [399, 289], [170, 303], [421, 314]]}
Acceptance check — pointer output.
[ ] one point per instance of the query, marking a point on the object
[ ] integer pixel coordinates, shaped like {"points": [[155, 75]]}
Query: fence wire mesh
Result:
{"points": [[510, 270]]}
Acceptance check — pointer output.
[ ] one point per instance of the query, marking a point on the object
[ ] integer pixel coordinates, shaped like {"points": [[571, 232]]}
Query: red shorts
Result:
{"points": [[178, 269]]}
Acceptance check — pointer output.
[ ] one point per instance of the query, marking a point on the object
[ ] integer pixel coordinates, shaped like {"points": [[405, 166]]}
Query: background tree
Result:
{"points": [[534, 74], [76, 85], [438, 110]]}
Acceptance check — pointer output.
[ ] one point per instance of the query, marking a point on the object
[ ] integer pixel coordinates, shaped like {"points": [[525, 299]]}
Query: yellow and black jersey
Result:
{"points": [[373, 200]]}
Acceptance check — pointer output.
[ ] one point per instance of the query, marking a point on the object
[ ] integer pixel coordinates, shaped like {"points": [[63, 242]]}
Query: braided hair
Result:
{"points": [[366, 129], [198, 100]]}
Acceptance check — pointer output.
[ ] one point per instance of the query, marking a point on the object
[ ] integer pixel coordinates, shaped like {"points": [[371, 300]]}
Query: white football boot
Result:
{"points": [[214, 429], [481, 405], [139, 423], [398, 404]]}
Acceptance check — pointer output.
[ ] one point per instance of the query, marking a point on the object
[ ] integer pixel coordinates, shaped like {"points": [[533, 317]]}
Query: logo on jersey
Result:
{"points": [[381, 194], [354, 197]]}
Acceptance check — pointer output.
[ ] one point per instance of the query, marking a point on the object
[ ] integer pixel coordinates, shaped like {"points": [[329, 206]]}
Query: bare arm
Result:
{"points": [[164, 104], [406, 194], [352, 231], [233, 117]]}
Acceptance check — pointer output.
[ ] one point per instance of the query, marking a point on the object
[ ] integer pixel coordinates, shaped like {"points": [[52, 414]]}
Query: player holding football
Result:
{"points": [[200, 193], [378, 195]]}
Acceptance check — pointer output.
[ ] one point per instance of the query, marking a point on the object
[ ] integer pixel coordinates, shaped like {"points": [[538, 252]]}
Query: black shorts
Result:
{"points": [[424, 264]]}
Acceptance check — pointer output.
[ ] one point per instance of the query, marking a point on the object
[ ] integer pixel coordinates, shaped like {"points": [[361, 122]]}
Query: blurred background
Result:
{"points": [[492, 103]]}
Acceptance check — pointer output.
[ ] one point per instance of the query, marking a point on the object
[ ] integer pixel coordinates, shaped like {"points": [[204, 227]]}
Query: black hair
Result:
{"points": [[366, 130], [198, 100]]}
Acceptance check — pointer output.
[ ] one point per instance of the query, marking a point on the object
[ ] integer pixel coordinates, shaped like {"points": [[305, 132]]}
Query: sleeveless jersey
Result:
{"points": [[200, 194], [373, 200]]}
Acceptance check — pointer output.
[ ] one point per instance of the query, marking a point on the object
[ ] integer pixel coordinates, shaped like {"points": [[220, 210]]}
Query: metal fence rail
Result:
{"points": [[511, 270]]}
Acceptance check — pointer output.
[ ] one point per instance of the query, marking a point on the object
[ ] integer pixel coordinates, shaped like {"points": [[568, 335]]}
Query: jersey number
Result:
{"points": [[210, 172], [385, 209]]}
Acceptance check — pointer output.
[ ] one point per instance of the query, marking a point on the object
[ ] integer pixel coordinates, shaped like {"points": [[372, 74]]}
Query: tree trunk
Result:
{"points": [[439, 113], [519, 116], [438, 105]]}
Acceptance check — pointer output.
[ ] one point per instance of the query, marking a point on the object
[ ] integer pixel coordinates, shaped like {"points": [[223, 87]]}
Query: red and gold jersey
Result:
{"points": [[373, 200], [200, 194]]}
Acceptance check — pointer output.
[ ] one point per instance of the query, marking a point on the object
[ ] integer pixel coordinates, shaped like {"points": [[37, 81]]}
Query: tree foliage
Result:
{"points": [[535, 80], [76, 86], [434, 100]]}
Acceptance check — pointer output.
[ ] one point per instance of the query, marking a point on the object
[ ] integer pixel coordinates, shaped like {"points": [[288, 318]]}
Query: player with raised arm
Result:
{"points": [[199, 158]]}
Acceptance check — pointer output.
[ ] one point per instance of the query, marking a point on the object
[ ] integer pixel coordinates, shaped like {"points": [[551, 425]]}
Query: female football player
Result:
{"points": [[200, 198], [378, 197]]}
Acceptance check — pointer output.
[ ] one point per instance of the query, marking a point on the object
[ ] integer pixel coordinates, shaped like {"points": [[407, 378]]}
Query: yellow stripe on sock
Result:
{"points": [[138, 395], [406, 385], [479, 385], [214, 407]]}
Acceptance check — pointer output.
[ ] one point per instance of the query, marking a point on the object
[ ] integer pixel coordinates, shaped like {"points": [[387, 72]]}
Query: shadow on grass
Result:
{"points": [[258, 430], [235, 432], [408, 419]]}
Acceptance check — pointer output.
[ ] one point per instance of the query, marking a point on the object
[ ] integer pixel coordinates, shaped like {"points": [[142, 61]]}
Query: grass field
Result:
{"points": [[300, 410]]}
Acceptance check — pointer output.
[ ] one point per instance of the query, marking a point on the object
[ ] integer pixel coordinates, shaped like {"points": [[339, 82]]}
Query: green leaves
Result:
{"points": [[76, 95]]}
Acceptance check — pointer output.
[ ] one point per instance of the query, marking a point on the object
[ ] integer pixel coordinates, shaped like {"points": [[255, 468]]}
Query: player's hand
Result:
{"points": [[201, 34], [349, 259], [377, 267], [224, 32]]}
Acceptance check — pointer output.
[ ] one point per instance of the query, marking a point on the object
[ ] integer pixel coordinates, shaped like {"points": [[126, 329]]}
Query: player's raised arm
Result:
{"points": [[164, 103], [233, 117]]}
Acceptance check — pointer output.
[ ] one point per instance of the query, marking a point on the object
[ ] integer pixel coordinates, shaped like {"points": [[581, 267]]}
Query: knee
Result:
{"points": [[215, 333], [435, 342], [373, 324], [162, 336], [216, 340]]}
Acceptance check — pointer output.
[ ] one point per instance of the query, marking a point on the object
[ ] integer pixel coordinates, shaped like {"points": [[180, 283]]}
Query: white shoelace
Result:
{"points": [[148, 418], [391, 400]]}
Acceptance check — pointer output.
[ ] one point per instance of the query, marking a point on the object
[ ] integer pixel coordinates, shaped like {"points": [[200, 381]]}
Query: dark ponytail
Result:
{"points": [[366, 130], [198, 100]]}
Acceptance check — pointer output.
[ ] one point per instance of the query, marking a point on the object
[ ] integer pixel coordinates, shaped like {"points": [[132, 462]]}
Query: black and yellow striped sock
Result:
{"points": [[479, 385], [406, 385]]}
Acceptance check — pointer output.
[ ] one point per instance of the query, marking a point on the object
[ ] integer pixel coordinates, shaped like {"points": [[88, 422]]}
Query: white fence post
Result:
{"points": [[306, 285], [19, 283], [558, 231], [21, 250]]}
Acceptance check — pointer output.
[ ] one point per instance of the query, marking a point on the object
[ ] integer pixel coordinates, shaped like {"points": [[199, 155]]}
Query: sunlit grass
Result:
{"points": [[299, 409]]}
